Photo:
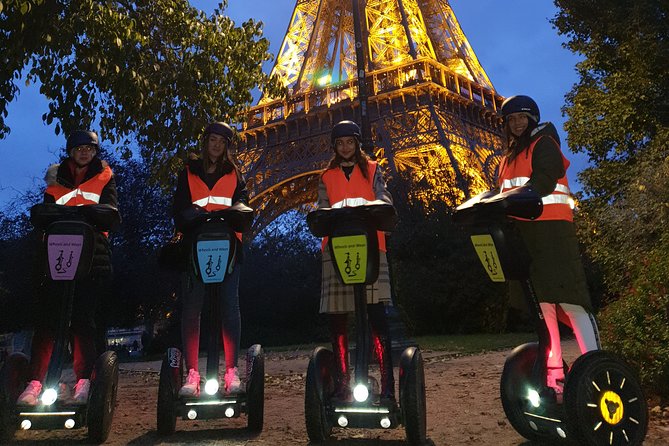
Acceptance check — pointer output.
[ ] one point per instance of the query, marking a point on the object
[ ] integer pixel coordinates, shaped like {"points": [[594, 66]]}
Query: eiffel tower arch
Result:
{"points": [[432, 108]]}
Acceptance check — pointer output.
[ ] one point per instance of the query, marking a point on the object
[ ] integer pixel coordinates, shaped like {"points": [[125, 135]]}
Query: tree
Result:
{"points": [[153, 70]]}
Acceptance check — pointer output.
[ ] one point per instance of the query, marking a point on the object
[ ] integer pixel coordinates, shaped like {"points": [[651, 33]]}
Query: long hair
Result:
{"points": [[222, 168], [360, 158], [514, 145]]}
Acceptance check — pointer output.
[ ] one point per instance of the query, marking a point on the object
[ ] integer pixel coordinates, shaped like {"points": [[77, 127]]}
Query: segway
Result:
{"points": [[353, 242], [212, 258], [603, 403], [69, 243]]}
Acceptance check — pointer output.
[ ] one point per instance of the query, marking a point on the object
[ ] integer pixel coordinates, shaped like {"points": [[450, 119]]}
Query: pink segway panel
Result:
{"points": [[64, 252]]}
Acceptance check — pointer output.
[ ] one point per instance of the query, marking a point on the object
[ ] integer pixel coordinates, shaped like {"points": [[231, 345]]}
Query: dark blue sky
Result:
{"points": [[513, 39]]}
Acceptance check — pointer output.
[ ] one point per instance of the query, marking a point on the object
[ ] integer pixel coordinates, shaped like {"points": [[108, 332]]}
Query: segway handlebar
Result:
{"points": [[522, 202], [103, 217], [238, 216], [379, 214]]}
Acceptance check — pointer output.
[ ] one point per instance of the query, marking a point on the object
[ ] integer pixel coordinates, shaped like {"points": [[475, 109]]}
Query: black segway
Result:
{"points": [[68, 240], [212, 258], [603, 403], [354, 246]]}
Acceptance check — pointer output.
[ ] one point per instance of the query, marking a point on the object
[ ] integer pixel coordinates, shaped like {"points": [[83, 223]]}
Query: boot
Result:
{"points": [[384, 356], [342, 377]]}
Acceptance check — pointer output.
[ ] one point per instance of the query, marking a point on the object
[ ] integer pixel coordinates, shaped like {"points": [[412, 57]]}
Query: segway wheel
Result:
{"points": [[171, 379], [412, 396], [255, 387], [102, 400], [13, 378], [516, 378], [319, 389], [604, 402]]}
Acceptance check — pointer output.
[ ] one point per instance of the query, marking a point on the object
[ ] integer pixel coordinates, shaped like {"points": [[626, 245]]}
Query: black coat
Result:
{"points": [[61, 174]]}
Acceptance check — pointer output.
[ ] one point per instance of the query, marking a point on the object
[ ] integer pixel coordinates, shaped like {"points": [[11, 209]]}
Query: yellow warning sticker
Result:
{"points": [[485, 248], [350, 254]]}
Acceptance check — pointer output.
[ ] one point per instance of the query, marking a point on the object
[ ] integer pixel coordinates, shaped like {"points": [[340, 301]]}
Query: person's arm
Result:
{"points": [[109, 194], [547, 166], [379, 185], [323, 199], [181, 198], [241, 194]]}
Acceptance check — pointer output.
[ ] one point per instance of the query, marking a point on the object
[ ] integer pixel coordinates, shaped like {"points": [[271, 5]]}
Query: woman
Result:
{"points": [[351, 179], [212, 182], [533, 159]]}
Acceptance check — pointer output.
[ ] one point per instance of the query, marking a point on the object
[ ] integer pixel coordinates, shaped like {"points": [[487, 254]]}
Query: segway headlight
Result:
{"points": [[534, 398], [360, 393], [211, 387], [49, 397]]}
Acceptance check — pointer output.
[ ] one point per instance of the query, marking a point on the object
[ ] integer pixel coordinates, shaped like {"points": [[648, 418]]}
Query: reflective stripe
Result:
{"points": [[203, 202], [556, 199], [520, 181], [90, 196], [350, 203]]}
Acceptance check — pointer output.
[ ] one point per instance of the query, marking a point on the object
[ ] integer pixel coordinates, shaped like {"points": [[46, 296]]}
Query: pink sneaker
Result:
{"points": [[555, 379], [232, 382], [81, 390], [30, 396], [192, 386]]}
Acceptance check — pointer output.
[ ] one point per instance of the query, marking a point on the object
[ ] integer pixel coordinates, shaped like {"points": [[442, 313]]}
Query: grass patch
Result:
{"points": [[474, 343]]}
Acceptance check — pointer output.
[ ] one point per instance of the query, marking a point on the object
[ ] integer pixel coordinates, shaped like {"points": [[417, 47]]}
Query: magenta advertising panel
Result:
{"points": [[64, 252]]}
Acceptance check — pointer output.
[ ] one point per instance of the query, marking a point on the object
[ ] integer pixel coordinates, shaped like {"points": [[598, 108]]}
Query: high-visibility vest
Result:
{"points": [[219, 197], [355, 191], [87, 193], [558, 204]]}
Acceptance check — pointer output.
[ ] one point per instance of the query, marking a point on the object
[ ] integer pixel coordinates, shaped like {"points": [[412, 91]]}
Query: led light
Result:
{"points": [[69, 423], [26, 424], [342, 421], [191, 414], [561, 432], [360, 393], [49, 397], [229, 412], [534, 397], [385, 422], [211, 387]]}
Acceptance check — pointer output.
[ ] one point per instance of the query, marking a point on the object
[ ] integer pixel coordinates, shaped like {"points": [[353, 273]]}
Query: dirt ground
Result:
{"points": [[463, 405]]}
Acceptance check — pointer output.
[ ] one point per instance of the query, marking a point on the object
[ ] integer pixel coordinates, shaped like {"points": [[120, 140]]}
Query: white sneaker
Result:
{"points": [[81, 390], [30, 396], [192, 386], [232, 382]]}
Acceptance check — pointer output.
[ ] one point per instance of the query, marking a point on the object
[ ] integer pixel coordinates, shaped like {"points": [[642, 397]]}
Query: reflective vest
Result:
{"points": [[87, 193], [558, 204], [219, 197], [355, 191]]}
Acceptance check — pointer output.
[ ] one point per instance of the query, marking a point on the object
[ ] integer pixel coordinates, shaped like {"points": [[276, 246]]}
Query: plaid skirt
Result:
{"points": [[338, 298]]}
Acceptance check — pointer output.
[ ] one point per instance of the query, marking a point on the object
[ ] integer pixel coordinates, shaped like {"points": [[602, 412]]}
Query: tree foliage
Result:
{"points": [[156, 71]]}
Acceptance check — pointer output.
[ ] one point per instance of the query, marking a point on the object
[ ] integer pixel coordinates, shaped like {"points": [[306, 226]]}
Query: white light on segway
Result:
{"points": [[360, 393], [69, 423], [191, 414], [211, 387], [342, 421], [533, 396], [561, 432], [385, 422], [229, 412], [49, 397], [26, 424]]}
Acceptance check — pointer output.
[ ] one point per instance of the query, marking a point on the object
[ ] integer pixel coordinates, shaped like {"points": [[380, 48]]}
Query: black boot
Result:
{"points": [[383, 352], [339, 338]]}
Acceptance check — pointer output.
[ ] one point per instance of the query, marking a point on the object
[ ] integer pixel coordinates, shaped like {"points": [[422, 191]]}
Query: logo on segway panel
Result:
{"points": [[485, 248], [212, 257], [350, 254], [64, 252], [611, 407], [174, 357]]}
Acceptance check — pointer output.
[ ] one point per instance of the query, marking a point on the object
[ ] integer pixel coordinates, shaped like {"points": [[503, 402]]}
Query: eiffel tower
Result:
{"points": [[431, 106]]}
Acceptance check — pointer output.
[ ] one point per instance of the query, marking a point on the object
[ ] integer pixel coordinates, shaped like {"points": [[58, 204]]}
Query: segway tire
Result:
{"points": [[412, 396], [604, 402], [516, 375], [13, 378], [102, 400], [255, 388], [318, 391], [171, 378]]}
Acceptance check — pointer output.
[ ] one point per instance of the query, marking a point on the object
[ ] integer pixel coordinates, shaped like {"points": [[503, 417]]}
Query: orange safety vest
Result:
{"points": [[557, 205], [356, 191], [220, 197], [87, 193]]}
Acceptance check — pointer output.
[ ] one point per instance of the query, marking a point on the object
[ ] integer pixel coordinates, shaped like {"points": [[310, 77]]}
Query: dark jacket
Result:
{"points": [[557, 269], [62, 174]]}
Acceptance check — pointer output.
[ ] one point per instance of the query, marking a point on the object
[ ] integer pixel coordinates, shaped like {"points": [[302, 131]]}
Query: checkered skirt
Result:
{"points": [[338, 298]]}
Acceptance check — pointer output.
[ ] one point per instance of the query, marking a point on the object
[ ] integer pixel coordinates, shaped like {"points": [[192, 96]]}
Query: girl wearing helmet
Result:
{"points": [[352, 179], [533, 159], [212, 182]]}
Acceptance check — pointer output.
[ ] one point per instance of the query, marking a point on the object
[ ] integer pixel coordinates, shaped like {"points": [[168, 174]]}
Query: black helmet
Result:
{"points": [[82, 138], [345, 128], [220, 128], [521, 104]]}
